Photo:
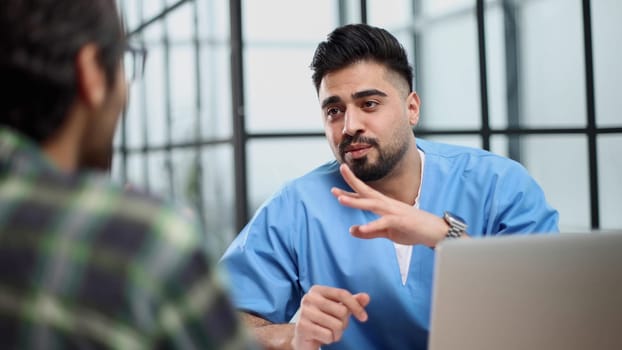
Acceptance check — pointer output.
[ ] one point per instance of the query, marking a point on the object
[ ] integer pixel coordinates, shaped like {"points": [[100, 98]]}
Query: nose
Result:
{"points": [[353, 123]]}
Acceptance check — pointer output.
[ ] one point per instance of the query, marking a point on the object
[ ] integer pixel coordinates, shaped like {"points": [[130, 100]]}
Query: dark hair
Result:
{"points": [[358, 42], [39, 41]]}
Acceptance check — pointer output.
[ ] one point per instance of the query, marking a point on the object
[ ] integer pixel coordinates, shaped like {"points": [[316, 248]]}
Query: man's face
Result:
{"points": [[97, 148], [368, 116]]}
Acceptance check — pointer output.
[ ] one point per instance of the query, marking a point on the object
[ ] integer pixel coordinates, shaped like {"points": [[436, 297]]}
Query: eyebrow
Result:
{"points": [[330, 100], [367, 93], [357, 95]]}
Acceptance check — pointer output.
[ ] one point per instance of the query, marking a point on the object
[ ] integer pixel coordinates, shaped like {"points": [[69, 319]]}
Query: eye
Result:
{"points": [[370, 104], [333, 112]]}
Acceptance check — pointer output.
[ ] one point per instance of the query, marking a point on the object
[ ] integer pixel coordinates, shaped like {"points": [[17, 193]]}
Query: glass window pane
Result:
{"points": [[280, 95], [183, 79], [474, 141], [285, 20], [560, 165], [450, 75], [185, 165], [439, 7], [552, 65], [130, 13], [136, 171], [351, 11], [272, 162], [134, 117], [216, 118], [496, 68], [389, 14], [213, 19], [499, 145], [180, 23], [153, 34], [511, 146], [218, 190], [155, 96], [152, 8], [610, 181], [406, 38], [607, 31], [159, 174]]}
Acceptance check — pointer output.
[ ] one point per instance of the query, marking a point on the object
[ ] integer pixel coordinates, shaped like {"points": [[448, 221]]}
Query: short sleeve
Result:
{"points": [[520, 205], [261, 262]]}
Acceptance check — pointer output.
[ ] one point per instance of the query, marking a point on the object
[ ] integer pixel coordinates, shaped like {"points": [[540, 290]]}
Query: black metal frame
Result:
{"points": [[592, 130], [241, 137]]}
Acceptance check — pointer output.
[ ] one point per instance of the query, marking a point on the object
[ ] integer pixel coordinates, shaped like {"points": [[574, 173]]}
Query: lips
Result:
{"points": [[357, 150]]}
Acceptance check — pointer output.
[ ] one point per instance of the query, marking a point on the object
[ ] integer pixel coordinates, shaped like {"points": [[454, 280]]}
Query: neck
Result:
{"points": [[403, 182], [63, 148]]}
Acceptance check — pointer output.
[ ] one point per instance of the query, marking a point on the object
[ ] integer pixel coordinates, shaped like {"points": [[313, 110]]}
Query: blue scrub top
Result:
{"points": [[300, 238]]}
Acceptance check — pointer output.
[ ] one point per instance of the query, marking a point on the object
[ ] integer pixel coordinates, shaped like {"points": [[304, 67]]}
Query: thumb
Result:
{"points": [[365, 233], [363, 299]]}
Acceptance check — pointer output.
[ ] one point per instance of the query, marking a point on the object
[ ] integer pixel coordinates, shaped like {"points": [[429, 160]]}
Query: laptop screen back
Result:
{"points": [[529, 292]]}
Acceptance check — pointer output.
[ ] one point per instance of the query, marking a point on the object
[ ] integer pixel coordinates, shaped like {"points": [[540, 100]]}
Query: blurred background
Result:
{"points": [[226, 111]]}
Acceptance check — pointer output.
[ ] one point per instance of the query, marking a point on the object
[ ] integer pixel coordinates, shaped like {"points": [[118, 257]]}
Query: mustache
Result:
{"points": [[348, 140]]}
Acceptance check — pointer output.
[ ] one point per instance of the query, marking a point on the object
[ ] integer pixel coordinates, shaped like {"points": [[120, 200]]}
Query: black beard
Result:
{"points": [[362, 168]]}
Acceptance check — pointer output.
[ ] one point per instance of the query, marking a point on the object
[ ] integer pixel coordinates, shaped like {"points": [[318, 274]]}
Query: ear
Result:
{"points": [[412, 104], [90, 77]]}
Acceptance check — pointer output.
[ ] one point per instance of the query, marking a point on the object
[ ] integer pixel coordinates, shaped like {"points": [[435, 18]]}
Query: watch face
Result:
{"points": [[451, 216], [455, 222]]}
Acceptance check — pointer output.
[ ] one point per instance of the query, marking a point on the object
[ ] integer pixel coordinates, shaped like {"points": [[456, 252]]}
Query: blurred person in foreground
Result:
{"points": [[83, 263], [309, 248]]}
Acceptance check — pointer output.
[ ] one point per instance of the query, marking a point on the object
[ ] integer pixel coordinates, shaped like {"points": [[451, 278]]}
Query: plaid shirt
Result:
{"points": [[85, 264]]}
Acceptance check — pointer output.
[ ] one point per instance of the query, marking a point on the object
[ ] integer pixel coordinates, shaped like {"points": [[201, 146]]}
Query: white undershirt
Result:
{"points": [[404, 252]]}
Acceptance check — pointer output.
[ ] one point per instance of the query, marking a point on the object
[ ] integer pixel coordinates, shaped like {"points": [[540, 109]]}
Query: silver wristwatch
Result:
{"points": [[457, 226]]}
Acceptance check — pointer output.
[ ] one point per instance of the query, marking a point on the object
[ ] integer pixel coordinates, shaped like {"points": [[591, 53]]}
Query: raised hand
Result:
{"points": [[399, 222], [324, 316]]}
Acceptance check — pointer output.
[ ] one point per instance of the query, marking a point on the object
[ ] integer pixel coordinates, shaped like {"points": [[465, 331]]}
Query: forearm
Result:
{"points": [[269, 335], [274, 336]]}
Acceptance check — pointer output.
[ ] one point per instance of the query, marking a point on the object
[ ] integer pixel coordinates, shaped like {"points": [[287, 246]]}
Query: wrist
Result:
{"points": [[437, 233], [457, 225], [450, 226]]}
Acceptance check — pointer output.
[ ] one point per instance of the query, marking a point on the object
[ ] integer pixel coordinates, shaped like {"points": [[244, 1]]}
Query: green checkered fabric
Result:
{"points": [[86, 264]]}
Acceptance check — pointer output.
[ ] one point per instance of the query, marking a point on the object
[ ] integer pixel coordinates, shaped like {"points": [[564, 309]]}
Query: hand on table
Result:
{"points": [[324, 316], [400, 222]]}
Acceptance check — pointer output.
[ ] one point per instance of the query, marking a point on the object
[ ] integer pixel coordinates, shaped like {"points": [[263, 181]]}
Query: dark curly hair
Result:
{"points": [[357, 42], [39, 41]]}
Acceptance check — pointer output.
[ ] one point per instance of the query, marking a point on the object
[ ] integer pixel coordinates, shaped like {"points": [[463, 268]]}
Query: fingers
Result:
{"points": [[355, 183], [343, 297], [363, 299], [375, 229], [357, 231], [320, 326], [338, 192], [325, 313], [377, 206], [363, 197]]}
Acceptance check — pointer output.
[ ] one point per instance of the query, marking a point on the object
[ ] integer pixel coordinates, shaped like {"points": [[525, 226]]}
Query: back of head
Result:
{"points": [[39, 41], [358, 42]]}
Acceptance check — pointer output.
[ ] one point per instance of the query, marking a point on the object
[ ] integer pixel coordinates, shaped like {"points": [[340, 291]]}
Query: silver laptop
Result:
{"points": [[528, 292]]}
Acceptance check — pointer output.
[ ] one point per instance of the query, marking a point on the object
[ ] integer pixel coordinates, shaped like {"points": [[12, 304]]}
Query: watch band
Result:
{"points": [[457, 226]]}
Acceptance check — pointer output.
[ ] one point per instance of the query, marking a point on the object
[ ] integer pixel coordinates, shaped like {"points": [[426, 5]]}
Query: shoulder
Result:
{"points": [[468, 159], [325, 175], [297, 197], [112, 213], [168, 221]]}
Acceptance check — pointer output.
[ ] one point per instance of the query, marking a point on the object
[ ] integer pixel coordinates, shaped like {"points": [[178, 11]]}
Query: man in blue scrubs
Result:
{"points": [[309, 245]]}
